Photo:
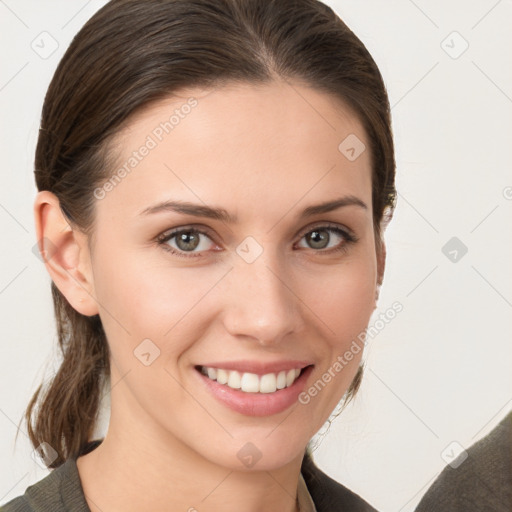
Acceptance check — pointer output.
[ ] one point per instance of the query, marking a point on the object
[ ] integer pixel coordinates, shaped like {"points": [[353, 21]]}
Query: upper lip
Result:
{"points": [[259, 368]]}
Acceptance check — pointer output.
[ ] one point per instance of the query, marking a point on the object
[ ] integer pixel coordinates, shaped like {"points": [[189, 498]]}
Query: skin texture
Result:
{"points": [[263, 153]]}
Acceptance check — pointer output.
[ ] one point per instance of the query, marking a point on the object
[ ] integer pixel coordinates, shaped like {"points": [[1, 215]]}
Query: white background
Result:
{"points": [[441, 370]]}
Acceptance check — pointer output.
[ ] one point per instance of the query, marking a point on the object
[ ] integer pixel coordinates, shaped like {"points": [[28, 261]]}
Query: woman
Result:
{"points": [[214, 179]]}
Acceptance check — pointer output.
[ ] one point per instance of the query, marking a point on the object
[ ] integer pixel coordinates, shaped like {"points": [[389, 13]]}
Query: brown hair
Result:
{"points": [[132, 53]]}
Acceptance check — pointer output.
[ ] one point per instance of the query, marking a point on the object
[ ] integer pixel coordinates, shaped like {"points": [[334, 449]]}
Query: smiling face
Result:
{"points": [[269, 281]]}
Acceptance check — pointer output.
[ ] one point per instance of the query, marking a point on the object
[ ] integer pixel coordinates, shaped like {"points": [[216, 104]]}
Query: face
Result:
{"points": [[268, 285]]}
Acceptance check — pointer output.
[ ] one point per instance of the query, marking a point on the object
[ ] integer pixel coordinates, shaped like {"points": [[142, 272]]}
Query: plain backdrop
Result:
{"points": [[440, 372]]}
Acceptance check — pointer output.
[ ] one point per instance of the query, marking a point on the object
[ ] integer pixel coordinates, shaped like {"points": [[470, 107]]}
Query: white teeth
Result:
{"points": [[281, 380], [222, 376], [250, 382], [234, 380], [268, 383]]}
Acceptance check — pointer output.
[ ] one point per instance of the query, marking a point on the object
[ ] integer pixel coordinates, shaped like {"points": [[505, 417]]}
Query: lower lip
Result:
{"points": [[257, 404]]}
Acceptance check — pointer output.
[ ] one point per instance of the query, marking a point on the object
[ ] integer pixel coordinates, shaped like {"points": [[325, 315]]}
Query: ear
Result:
{"points": [[65, 254], [381, 265]]}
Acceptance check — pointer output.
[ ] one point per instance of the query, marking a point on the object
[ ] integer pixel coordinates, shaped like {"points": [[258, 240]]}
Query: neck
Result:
{"points": [[133, 471]]}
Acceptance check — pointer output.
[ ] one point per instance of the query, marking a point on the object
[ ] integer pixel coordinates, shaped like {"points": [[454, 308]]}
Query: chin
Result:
{"points": [[263, 453]]}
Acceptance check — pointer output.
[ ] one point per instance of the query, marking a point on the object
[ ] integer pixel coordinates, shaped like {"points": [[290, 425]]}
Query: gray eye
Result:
{"points": [[187, 240], [318, 239]]}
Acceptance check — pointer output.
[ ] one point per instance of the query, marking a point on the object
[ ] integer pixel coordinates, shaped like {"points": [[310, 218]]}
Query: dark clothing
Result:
{"points": [[482, 483], [61, 491], [329, 495]]}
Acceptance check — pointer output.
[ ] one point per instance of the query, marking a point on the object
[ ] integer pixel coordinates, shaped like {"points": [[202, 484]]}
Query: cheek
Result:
{"points": [[345, 299], [344, 303], [143, 300], [154, 300]]}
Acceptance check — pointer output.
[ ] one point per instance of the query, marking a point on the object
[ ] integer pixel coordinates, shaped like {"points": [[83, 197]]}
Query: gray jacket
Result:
{"points": [[482, 482]]}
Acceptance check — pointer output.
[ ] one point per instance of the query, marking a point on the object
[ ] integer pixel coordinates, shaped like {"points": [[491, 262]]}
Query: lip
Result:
{"points": [[257, 404], [259, 368]]}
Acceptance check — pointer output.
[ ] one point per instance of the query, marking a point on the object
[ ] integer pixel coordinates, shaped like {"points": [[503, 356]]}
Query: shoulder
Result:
{"points": [[45, 495], [329, 495], [59, 491], [483, 479]]}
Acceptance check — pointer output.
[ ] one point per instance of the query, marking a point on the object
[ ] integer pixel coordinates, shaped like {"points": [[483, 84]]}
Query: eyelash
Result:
{"points": [[349, 239]]}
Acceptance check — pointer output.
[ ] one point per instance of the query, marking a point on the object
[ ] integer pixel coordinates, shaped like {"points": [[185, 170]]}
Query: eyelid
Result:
{"points": [[201, 228], [168, 235], [325, 224]]}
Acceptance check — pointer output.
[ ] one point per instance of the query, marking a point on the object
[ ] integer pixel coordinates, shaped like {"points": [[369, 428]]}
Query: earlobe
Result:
{"points": [[65, 254]]}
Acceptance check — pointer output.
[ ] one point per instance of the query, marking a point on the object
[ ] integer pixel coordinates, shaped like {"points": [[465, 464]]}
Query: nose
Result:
{"points": [[260, 302]]}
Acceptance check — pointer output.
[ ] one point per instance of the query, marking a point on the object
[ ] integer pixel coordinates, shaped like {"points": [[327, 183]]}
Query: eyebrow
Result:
{"points": [[223, 215]]}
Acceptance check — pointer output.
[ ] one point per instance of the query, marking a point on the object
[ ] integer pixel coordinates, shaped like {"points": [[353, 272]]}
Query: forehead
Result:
{"points": [[255, 149]]}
